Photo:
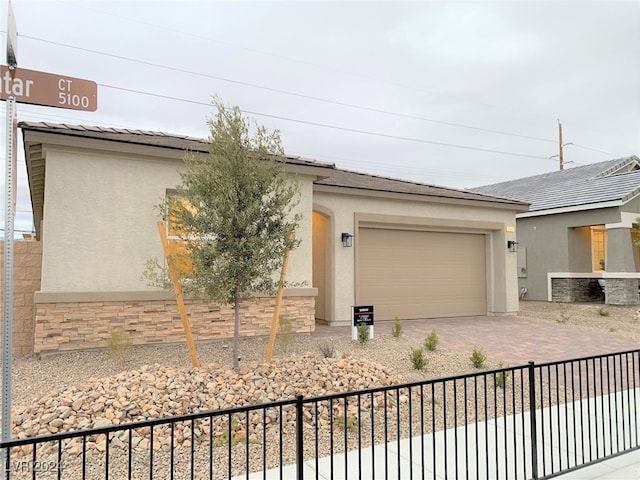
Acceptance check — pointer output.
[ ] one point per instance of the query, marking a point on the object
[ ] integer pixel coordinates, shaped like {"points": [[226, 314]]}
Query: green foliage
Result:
{"points": [[118, 343], [352, 422], [431, 342], [363, 333], [478, 358], [327, 349], [236, 212], [500, 378], [396, 330], [603, 313], [238, 435], [418, 358], [156, 274]]}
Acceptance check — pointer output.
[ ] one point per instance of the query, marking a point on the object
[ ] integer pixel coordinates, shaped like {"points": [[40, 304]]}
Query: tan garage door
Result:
{"points": [[415, 274]]}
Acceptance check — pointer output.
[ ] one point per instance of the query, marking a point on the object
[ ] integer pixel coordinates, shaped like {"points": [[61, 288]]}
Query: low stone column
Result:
{"points": [[621, 291]]}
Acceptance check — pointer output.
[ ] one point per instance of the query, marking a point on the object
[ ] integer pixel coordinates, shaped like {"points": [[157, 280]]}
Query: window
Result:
{"points": [[177, 247], [598, 248], [173, 202]]}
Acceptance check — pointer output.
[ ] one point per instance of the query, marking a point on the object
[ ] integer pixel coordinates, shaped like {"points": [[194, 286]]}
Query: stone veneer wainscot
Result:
{"points": [[65, 326]]}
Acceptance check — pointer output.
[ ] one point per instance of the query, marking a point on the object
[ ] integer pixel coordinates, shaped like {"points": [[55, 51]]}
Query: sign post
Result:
{"points": [[18, 85], [361, 315], [9, 212]]}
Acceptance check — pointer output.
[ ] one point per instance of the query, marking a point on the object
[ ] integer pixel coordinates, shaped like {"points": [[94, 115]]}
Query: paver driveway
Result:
{"points": [[509, 339]]}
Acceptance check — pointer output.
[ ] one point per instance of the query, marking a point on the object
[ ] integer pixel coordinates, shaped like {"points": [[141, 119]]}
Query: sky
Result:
{"points": [[456, 94]]}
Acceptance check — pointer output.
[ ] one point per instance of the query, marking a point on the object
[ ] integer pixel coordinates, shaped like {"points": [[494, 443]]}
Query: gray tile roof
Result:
{"points": [[362, 181], [142, 137], [613, 180], [331, 176]]}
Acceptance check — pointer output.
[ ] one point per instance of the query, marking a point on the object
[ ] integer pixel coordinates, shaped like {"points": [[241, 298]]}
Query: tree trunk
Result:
{"points": [[236, 331]]}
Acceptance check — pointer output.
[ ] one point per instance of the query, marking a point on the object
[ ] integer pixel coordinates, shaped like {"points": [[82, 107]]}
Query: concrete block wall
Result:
{"points": [[27, 262], [77, 326]]}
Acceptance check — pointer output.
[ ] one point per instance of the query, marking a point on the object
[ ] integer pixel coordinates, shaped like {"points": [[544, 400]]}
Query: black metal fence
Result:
{"points": [[529, 421]]}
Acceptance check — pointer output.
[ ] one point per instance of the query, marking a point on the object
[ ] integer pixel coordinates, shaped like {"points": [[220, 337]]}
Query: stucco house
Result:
{"points": [[577, 235], [416, 251]]}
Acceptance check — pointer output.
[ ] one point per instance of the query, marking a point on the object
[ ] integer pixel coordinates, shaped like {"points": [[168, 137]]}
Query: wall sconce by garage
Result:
{"points": [[512, 245], [347, 240]]}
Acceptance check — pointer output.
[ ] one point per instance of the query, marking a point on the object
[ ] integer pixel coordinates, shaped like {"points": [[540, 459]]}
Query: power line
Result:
{"points": [[283, 57], [334, 127], [396, 168], [595, 150], [370, 109], [287, 92]]}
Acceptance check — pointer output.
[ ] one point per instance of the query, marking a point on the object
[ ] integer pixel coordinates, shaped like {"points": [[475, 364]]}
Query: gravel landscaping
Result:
{"points": [[92, 389], [34, 378]]}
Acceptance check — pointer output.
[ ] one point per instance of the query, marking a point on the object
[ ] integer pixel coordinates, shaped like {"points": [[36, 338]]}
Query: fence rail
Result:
{"points": [[528, 421]]}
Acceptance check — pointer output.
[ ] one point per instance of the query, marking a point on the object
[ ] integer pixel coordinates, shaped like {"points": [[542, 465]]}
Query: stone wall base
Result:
{"points": [[621, 291], [71, 326], [576, 290], [618, 291]]}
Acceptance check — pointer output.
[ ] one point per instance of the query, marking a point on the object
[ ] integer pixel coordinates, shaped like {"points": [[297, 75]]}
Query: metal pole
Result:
{"points": [[7, 300], [532, 416], [300, 437]]}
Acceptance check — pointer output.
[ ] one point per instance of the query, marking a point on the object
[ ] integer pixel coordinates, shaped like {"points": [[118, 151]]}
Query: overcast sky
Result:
{"points": [[389, 88]]}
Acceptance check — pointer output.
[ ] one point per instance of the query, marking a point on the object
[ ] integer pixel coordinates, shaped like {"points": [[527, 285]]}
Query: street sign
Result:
{"points": [[48, 89]]}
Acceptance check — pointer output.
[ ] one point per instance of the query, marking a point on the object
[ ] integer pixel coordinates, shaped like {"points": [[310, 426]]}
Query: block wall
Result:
{"points": [[27, 263]]}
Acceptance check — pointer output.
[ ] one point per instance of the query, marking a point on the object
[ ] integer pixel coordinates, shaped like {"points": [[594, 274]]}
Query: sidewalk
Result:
{"points": [[499, 448]]}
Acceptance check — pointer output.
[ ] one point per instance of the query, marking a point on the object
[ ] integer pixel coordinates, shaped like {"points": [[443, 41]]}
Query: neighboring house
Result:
{"points": [[578, 230], [418, 251]]}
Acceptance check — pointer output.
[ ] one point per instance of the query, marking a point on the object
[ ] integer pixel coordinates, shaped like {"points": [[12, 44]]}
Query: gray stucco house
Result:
{"points": [[576, 241]]}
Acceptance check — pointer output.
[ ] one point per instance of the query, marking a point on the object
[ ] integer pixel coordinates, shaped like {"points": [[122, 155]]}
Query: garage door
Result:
{"points": [[415, 274]]}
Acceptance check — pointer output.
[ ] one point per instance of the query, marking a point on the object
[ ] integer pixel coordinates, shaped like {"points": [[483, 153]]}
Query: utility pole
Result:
{"points": [[560, 155]]}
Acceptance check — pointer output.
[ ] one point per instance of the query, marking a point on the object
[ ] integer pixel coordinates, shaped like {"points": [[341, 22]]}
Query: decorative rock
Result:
{"points": [[155, 392]]}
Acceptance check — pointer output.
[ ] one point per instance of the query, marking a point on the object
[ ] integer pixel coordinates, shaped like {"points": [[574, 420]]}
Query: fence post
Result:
{"points": [[532, 415], [299, 440]]}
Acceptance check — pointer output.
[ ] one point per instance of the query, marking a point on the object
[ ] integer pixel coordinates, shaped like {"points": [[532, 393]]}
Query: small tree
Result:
{"points": [[236, 214]]}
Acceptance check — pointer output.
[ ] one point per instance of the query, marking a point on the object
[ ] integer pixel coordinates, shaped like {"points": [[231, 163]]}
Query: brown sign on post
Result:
{"points": [[48, 89]]}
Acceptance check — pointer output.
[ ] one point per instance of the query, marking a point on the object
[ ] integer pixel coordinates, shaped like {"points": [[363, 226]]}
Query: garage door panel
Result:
{"points": [[415, 274]]}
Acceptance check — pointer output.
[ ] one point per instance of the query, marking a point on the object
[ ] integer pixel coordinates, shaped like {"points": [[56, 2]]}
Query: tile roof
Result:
{"points": [[613, 180], [142, 137], [362, 181], [334, 177]]}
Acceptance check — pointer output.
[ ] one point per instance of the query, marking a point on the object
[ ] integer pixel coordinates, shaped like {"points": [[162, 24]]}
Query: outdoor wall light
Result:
{"points": [[347, 240], [512, 245]]}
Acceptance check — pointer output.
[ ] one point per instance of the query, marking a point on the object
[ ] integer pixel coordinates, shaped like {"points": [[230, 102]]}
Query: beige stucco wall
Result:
{"points": [[99, 226], [349, 210]]}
